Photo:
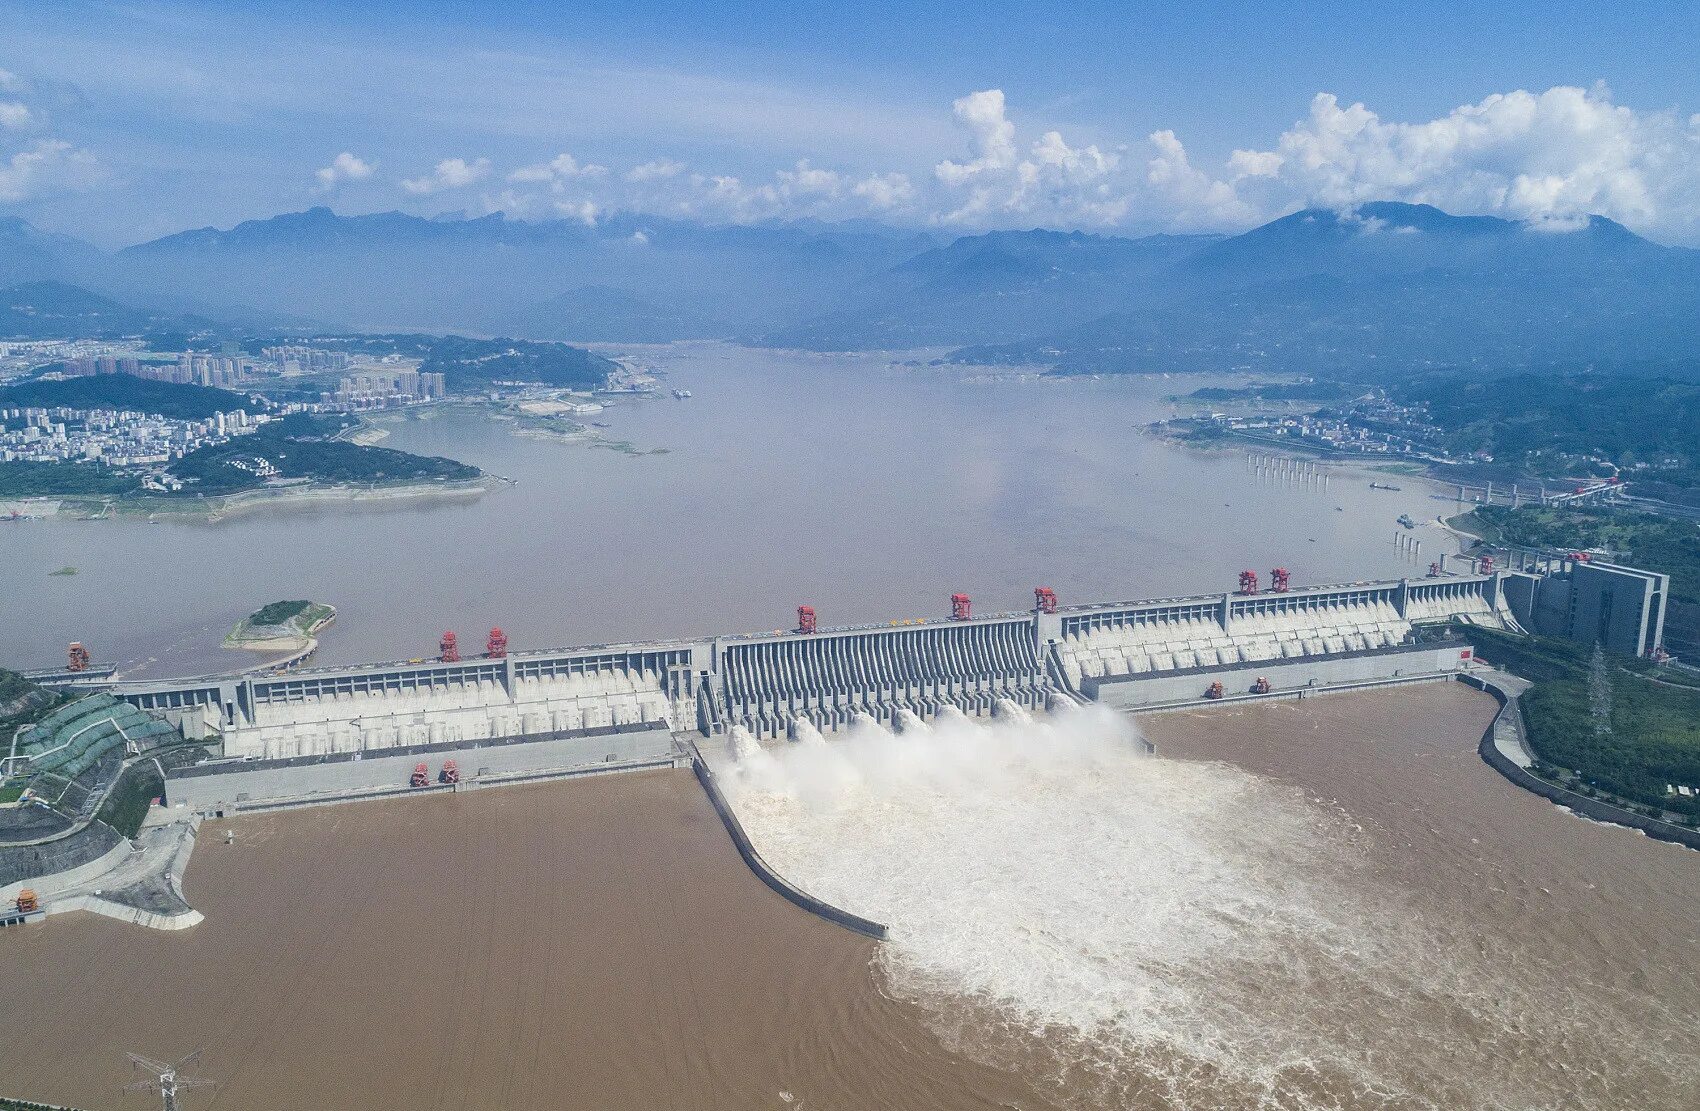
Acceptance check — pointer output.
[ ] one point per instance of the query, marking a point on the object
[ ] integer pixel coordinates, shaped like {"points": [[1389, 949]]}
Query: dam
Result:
{"points": [[509, 715], [323, 730], [1129, 653]]}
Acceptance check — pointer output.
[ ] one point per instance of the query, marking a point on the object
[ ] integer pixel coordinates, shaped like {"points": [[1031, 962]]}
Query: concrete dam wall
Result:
{"points": [[769, 684], [828, 678]]}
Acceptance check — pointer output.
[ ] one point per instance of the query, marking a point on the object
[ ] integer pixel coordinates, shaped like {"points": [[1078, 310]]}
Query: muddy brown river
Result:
{"points": [[1327, 904]]}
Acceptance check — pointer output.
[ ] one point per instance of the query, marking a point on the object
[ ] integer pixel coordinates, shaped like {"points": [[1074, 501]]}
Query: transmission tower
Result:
{"points": [[165, 1080]]}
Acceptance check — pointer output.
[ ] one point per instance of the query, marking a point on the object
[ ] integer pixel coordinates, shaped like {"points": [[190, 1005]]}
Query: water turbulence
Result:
{"points": [[1142, 932], [907, 722]]}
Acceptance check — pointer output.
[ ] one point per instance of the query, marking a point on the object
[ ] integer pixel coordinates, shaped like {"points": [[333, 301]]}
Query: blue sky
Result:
{"points": [[124, 121]]}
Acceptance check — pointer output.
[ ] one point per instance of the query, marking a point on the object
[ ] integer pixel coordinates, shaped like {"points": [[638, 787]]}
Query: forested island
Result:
{"points": [[303, 446], [1273, 391], [281, 626]]}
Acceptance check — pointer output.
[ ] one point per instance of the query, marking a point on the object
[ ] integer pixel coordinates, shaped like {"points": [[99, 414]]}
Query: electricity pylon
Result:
{"points": [[165, 1079]]}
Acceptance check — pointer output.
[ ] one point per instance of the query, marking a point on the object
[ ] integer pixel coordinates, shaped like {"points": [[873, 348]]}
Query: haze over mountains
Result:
{"points": [[1393, 287]]}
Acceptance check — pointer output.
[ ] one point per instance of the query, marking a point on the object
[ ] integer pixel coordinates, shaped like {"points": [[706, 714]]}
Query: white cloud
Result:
{"points": [[982, 113], [659, 168], [805, 180], [801, 190], [344, 167], [885, 191], [1084, 162], [450, 173], [48, 166], [34, 165], [558, 171], [585, 212], [1251, 163], [1053, 183], [1189, 197], [1550, 157]]}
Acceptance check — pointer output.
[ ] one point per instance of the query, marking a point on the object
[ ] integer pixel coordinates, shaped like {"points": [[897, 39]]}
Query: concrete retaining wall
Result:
{"points": [[865, 927], [94, 904], [1593, 808], [1286, 676], [1294, 694], [46, 884], [61, 853], [244, 785]]}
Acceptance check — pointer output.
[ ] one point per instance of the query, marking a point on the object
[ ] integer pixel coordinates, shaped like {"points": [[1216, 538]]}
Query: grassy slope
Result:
{"points": [[1654, 736], [127, 802], [276, 613]]}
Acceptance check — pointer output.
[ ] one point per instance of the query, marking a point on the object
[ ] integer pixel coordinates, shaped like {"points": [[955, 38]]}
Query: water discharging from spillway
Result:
{"points": [[1144, 932]]}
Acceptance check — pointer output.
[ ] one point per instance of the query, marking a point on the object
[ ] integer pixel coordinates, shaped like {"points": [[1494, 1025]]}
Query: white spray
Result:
{"points": [[1186, 932]]}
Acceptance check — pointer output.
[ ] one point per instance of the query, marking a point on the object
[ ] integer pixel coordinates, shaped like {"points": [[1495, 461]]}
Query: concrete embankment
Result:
{"points": [[138, 881], [481, 782], [141, 881], [711, 786], [46, 882], [1279, 693], [1493, 752], [246, 785], [94, 904]]}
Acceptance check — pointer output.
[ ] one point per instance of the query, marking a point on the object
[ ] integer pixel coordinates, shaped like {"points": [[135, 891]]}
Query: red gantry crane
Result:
{"points": [[448, 649]]}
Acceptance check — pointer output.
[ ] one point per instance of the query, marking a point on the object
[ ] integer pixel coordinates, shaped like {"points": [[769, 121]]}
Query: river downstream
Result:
{"points": [[1323, 904], [868, 490], [1329, 905]]}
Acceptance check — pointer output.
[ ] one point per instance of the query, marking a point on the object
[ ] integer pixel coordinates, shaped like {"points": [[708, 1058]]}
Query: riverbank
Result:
{"points": [[222, 506], [1505, 748]]}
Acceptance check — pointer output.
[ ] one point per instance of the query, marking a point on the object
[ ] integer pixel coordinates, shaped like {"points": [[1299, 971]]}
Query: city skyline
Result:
{"points": [[120, 124]]}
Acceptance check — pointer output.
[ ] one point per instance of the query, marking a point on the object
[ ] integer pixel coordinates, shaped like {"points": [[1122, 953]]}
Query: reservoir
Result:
{"points": [[869, 490]]}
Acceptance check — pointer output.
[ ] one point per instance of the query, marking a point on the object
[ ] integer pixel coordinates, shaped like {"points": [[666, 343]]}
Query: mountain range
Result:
{"points": [[1383, 289]]}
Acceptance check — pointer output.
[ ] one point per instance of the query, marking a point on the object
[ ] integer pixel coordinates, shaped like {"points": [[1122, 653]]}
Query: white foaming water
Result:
{"points": [[907, 722], [1143, 932], [1008, 709]]}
